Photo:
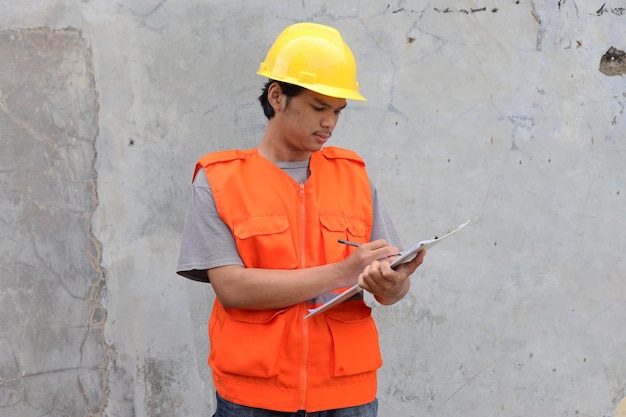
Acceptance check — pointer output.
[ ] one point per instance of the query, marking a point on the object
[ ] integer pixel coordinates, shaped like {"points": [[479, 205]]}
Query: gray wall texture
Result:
{"points": [[508, 113]]}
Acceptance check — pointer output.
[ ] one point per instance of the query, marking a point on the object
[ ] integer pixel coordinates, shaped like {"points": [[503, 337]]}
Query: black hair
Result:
{"points": [[289, 90]]}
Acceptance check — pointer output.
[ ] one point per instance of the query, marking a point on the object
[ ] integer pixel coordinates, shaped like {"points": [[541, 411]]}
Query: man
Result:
{"points": [[263, 227]]}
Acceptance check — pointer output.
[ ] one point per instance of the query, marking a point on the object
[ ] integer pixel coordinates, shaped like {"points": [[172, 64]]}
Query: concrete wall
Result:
{"points": [[509, 113]]}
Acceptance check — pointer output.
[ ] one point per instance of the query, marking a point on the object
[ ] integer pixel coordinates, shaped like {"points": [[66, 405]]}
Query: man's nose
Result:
{"points": [[329, 121]]}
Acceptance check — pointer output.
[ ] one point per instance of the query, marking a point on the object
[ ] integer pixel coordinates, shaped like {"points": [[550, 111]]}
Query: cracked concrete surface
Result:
{"points": [[53, 355]]}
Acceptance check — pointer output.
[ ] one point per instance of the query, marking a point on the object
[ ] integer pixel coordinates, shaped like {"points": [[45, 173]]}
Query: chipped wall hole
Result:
{"points": [[613, 62]]}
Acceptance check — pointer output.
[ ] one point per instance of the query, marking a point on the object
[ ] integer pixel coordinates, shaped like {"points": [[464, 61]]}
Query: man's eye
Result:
{"points": [[318, 108]]}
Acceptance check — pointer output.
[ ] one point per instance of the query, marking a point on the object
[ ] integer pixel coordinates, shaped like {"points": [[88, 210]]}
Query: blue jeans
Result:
{"points": [[228, 409]]}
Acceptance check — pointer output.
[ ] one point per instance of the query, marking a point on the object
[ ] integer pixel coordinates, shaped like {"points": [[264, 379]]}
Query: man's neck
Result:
{"points": [[273, 152]]}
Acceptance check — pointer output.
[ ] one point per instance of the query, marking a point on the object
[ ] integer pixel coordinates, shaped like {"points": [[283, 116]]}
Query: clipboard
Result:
{"points": [[404, 256], [407, 255]]}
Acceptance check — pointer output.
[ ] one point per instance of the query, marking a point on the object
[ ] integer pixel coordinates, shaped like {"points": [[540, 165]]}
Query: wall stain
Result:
{"points": [[619, 11], [613, 62], [400, 10], [466, 11], [163, 387], [534, 15]]}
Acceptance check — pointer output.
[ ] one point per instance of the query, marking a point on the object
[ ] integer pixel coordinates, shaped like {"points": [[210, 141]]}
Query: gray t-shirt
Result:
{"points": [[207, 241]]}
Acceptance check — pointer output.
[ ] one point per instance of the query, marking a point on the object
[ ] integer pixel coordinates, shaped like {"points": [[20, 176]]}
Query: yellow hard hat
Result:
{"points": [[315, 57]]}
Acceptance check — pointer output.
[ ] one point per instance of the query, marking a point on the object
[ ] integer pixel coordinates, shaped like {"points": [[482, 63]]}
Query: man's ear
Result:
{"points": [[274, 96]]}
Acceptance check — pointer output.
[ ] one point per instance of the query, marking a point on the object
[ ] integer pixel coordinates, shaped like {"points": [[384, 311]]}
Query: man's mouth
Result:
{"points": [[323, 135]]}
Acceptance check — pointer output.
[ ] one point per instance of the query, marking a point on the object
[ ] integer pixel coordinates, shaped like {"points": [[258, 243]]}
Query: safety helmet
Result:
{"points": [[315, 57]]}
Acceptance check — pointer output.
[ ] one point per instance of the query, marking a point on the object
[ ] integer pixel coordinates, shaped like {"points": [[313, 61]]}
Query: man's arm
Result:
{"points": [[253, 288]]}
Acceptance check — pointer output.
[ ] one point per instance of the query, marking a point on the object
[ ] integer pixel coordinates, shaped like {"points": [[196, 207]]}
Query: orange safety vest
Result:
{"points": [[274, 359]]}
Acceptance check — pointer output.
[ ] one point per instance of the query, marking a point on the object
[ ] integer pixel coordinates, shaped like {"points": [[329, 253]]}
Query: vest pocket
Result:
{"points": [[248, 344], [265, 241], [355, 339], [335, 226]]}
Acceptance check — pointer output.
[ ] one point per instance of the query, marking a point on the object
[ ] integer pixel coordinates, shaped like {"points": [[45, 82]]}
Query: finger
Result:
{"points": [[383, 277], [381, 248], [375, 244], [368, 278]]}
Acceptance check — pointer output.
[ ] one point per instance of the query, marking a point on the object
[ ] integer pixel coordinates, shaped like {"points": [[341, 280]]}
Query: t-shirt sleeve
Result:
{"points": [[207, 241], [383, 227]]}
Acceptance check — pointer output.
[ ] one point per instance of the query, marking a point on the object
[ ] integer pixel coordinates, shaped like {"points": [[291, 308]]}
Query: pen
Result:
{"points": [[347, 242]]}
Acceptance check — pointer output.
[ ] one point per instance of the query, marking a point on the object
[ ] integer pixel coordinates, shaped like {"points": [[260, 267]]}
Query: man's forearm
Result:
{"points": [[257, 289]]}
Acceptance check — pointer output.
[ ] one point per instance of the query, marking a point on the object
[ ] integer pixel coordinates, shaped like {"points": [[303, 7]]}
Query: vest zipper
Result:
{"points": [[305, 360], [305, 326], [302, 227]]}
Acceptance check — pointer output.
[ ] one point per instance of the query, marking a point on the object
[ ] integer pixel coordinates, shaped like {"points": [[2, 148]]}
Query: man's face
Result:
{"points": [[308, 120]]}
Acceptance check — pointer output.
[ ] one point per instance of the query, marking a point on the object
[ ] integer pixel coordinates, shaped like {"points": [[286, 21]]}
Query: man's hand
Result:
{"points": [[362, 257], [389, 285]]}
